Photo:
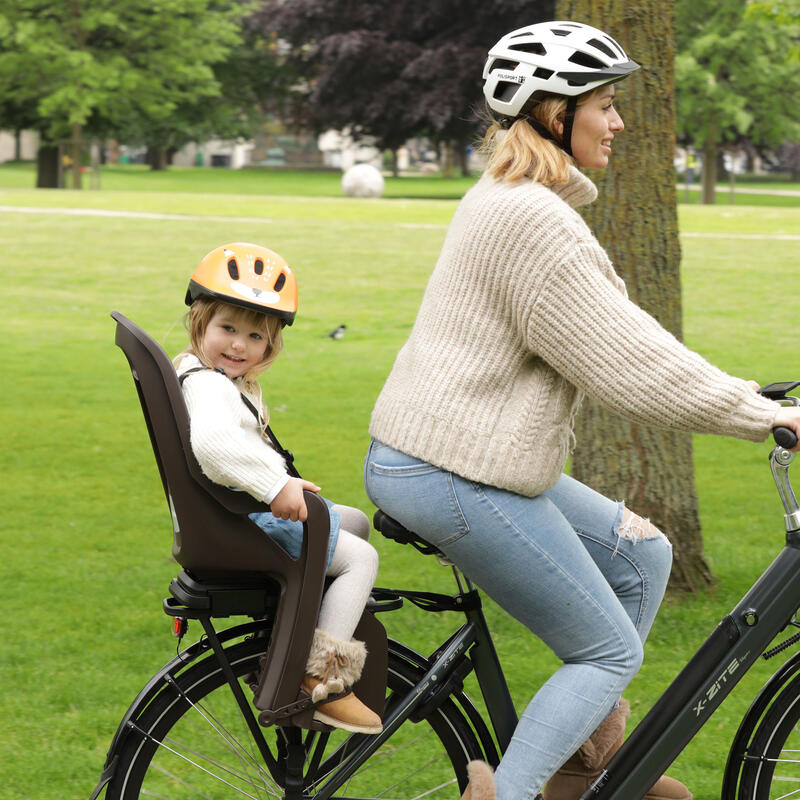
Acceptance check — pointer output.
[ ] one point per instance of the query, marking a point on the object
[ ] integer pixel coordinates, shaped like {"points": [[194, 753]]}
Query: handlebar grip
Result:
{"points": [[785, 437]]}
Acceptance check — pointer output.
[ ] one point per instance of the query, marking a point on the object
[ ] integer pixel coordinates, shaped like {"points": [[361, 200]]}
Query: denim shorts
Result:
{"points": [[289, 535]]}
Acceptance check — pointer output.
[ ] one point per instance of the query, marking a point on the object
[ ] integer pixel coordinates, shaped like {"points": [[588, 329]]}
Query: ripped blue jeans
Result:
{"points": [[561, 563]]}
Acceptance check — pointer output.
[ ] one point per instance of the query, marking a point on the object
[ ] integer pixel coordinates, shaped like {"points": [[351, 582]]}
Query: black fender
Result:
{"points": [[741, 741]]}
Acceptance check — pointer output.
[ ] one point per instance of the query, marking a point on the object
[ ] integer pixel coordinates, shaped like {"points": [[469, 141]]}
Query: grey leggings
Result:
{"points": [[354, 567]]}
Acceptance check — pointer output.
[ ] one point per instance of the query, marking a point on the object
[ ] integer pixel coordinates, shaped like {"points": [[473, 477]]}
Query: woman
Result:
{"points": [[522, 316]]}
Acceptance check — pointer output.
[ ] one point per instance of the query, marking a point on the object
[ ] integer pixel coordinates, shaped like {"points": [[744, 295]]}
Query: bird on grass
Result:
{"points": [[337, 333]]}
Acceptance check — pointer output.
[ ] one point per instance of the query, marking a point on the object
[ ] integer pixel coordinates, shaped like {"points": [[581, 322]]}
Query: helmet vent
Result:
{"points": [[280, 282], [504, 63], [585, 60], [505, 90], [534, 48], [259, 267], [233, 269], [543, 73], [560, 32], [603, 48]]}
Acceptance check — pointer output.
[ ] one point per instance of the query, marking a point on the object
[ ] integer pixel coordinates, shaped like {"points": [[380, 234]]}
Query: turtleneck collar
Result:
{"points": [[577, 191]]}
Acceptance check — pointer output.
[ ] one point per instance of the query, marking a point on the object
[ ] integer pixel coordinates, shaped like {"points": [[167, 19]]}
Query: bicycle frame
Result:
{"points": [[449, 666], [708, 678]]}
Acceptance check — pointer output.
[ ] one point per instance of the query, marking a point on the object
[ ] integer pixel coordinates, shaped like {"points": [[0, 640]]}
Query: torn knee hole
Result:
{"points": [[636, 528]]}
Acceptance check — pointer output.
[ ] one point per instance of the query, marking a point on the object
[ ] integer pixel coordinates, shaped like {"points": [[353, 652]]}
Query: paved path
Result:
{"points": [[99, 212], [744, 189]]}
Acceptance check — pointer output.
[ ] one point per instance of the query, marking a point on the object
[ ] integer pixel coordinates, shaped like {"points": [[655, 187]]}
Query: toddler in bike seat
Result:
{"points": [[240, 297]]}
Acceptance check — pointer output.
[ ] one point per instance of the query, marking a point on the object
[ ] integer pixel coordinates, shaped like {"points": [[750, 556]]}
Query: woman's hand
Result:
{"points": [[289, 502], [789, 417]]}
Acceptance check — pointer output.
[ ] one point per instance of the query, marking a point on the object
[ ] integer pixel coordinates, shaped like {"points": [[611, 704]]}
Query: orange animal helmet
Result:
{"points": [[247, 275]]}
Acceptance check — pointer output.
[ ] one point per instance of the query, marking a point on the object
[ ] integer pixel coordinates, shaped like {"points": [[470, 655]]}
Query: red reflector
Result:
{"points": [[179, 626]]}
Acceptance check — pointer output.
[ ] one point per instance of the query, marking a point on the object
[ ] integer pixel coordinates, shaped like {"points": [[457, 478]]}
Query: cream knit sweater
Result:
{"points": [[523, 315], [227, 440]]}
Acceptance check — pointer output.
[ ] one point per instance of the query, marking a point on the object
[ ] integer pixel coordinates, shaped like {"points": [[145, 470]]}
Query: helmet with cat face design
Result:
{"points": [[249, 276]]}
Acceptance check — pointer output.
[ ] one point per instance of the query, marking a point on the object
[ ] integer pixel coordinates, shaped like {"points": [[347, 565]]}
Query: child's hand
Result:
{"points": [[289, 502]]}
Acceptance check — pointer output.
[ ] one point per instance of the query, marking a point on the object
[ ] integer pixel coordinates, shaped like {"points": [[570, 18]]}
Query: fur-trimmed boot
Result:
{"points": [[481, 782], [334, 665], [581, 769]]}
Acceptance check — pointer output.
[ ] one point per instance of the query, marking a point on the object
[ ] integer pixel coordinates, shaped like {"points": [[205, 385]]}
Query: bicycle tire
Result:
{"points": [[223, 760], [771, 766]]}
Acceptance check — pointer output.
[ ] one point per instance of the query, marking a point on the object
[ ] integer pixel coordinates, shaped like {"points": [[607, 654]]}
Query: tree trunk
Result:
{"points": [[48, 167], [447, 158], [77, 155], [710, 163], [635, 219], [156, 157], [463, 159]]}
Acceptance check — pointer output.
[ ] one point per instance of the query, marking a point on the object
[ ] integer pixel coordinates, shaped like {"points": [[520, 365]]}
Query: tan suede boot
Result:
{"points": [[583, 767], [481, 782], [334, 665]]}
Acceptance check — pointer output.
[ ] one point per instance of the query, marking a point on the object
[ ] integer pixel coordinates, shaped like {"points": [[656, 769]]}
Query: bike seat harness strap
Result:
{"points": [[286, 454]]}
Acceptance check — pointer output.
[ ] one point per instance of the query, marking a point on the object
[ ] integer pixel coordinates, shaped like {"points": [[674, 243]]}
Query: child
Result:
{"points": [[240, 297]]}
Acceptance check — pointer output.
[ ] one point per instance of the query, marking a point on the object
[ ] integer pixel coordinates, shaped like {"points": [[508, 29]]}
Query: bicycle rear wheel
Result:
{"points": [[771, 767], [192, 741]]}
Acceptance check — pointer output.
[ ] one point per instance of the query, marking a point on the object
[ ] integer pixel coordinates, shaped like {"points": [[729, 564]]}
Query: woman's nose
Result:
{"points": [[616, 123]]}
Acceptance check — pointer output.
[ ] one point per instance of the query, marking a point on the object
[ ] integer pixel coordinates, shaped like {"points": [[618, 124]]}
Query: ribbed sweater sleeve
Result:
{"points": [[226, 439], [604, 344]]}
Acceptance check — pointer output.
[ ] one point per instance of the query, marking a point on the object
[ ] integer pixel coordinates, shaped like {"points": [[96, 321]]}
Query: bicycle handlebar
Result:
{"points": [[785, 437]]}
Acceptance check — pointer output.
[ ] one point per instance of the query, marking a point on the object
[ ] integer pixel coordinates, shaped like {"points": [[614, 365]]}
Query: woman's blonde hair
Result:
{"points": [[522, 152], [201, 313]]}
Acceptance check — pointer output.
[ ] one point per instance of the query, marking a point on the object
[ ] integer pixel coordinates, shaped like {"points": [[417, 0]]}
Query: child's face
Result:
{"points": [[233, 344]]}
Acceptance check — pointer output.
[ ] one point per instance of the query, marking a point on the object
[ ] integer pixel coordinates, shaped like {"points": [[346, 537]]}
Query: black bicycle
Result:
{"points": [[193, 731]]}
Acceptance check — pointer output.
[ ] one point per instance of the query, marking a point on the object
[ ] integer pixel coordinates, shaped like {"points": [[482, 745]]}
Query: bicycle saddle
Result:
{"points": [[392, 529]]}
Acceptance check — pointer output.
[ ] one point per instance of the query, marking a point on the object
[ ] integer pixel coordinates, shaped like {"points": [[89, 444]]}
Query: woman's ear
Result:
{"points": [[559, 126]]}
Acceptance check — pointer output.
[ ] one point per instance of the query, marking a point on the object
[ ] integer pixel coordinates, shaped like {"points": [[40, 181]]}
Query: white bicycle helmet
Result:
{"points": [[565, 58], [562, 58]]}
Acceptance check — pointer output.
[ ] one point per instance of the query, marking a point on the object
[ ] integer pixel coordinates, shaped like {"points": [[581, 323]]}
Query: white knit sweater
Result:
{"points": [[522, 315], [226, 437]]}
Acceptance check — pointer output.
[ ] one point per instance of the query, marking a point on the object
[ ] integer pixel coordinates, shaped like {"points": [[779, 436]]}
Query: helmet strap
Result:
{"points": [[569, 121]]}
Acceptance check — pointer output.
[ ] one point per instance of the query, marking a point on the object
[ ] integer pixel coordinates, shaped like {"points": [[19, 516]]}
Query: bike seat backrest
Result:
{"points": [[212, 531]]}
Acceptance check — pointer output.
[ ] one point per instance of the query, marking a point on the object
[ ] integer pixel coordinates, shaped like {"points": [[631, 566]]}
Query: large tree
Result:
{"points": [[393, 70], [97, 64], [635, 218], [737, 75]]}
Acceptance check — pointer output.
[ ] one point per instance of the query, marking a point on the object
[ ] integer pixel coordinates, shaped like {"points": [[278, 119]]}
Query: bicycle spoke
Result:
{"points": [[234, 743], [200, 767], [414, 774]]}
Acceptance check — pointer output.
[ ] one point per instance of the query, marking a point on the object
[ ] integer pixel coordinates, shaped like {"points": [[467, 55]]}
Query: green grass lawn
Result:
{"points": [[85, 531]]}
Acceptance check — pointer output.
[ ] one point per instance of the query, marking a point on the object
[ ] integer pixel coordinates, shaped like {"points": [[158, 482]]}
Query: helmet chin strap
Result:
{"points": [[569, 120]]}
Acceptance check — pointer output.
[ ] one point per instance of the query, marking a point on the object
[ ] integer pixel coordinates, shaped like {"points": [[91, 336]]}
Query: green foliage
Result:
{"points": [[100, 63], [736, 72]]}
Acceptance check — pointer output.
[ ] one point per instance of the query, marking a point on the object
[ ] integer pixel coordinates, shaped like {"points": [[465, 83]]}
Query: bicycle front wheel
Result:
{"points": [[193, 741], [771, 767]]}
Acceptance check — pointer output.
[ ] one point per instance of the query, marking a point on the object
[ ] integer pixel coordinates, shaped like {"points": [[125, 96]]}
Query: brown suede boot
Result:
{"points": [[334, 665], [481, 782], [583, 767]]}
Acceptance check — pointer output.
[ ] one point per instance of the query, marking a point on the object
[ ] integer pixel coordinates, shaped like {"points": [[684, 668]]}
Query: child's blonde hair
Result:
{"points": [[521, 152], [201, 313]]}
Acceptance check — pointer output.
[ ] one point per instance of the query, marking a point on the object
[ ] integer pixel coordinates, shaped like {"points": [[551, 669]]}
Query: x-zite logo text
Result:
{"points": [[714, 689]]}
